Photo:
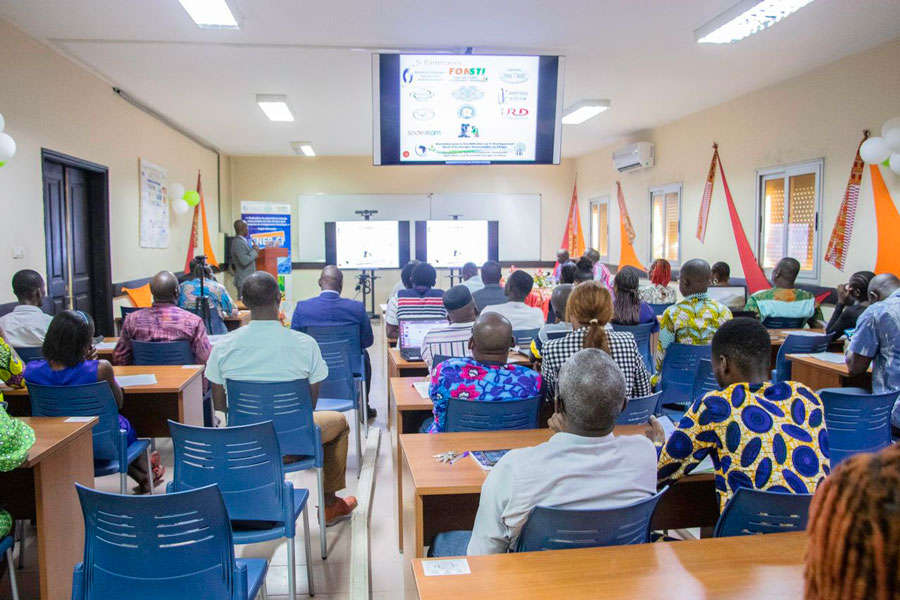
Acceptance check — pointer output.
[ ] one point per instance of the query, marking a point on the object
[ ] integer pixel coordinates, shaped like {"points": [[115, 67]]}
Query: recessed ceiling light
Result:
{"points": [[746, 18], [275, 106], [584, 110], [303, 148], [211, 14]]}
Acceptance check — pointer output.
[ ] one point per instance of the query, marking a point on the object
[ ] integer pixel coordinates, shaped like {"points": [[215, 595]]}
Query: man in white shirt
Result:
{"points": [[27, 324], [267, 351], [470, 277], [519, 314], [452, 340], [583, 466]]}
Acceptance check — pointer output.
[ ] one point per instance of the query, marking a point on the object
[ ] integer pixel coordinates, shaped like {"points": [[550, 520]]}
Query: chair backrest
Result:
{"points": [[798, 344], [785, 322], [287, 404], [162, 353], [678, 368], [468, 415], [639, 410], [89, 400], [343, 333], [215, 325], [642, 335], [244, 461], [524, 337], [659, 309], [146, 547], [339, 384], [438, 359], [29, 353], [756, 511], [127, 310], [704, 379], [856, 420], [748, 314], [555, 335], [564, 529]]}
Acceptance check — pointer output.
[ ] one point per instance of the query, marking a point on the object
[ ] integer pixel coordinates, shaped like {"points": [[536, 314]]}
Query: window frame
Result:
{"points": [[597, 201], [665, 189], [816, 167]]}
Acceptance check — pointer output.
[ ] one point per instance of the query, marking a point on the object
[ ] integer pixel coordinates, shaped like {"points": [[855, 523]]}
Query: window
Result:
{"points": [[665, 211], [790, 198], [600, 226]]}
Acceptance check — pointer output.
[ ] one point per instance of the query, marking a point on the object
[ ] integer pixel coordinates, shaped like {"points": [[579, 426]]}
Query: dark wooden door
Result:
{"points": [[55, 235], [81, 240]]}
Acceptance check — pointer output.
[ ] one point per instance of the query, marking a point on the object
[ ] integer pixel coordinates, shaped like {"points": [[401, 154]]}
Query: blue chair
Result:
{"points": [[677, 373], [339, 390], [112, 453], [857, 421], [245, 463], [564, 529], [642, 335], [704, 379], [785, 322], [659, 309], [756, 511], [465, 415], [288, 405], [127, 310], [348, 334], [168, 546], [6, 546], [639, 410], [797, 344], [524, 337], [29, 353], [162, 353], [215, 325]]}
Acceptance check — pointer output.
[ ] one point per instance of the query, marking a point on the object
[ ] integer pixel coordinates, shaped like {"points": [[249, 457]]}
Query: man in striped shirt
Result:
{"points": [[452, 341], [422, 301]]}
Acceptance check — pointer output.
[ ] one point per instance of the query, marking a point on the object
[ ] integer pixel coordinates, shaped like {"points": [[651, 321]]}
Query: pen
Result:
{"points": [[464, 454]]}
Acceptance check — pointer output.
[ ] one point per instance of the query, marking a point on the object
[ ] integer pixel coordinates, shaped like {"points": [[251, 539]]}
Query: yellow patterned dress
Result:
{"points": [[16, 438], [693, 321]]}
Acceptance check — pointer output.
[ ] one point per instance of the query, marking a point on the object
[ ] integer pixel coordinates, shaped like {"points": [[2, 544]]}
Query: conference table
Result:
{"points": [[752, 567], [818, 373], [43, 488]]}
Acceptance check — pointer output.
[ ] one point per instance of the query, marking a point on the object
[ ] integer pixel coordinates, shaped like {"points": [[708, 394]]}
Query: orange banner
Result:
{"points": [[573, 238], [888, 222]]}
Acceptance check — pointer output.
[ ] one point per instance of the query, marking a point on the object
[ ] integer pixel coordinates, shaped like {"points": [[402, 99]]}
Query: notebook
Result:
{"points": [[486, 459]]}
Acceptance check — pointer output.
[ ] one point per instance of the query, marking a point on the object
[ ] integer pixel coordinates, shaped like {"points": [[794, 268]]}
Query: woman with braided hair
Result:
{"points": [[854, 531]]}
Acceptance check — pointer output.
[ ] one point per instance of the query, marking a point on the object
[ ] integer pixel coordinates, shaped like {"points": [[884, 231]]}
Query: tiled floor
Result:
{"points": [[332, 576]]}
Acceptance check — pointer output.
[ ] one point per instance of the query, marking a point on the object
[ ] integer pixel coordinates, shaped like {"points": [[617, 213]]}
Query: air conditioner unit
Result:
{"points": [[634, 156]]}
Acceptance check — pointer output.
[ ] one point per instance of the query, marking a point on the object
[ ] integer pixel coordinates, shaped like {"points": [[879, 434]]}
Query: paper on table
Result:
{"points": [[136, 380], [78, 419], [192, 366], [706, 465], [831, 357], [453, 566], [105, 346], [799, 332], [422, 388]]}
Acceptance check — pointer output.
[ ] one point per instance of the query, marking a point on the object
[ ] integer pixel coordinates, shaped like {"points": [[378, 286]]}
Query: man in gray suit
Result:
{"points": [[243, 254]]}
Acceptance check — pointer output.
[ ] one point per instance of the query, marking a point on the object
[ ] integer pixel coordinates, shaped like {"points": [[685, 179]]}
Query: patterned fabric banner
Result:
{"points": [[573, 237], [707, 196], [839, 243], [200, 210], [623, 213]]}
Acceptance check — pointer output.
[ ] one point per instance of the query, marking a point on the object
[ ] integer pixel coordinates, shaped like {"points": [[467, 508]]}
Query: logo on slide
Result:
{"points": [[514, 76], [514, 113], [407, 75], [468, 93], [413, 132], [421, 150], [423, 114], [506, 95], [406, 154], [519, 149], [466, 111], [421, 94], [467, 130]]}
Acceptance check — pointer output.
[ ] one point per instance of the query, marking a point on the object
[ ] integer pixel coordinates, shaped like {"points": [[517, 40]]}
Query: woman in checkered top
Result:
{"points": [[589, 309]]}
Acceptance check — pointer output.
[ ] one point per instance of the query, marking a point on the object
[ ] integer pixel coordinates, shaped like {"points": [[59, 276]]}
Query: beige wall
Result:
{"points": [[820, 114], [49, 102]]}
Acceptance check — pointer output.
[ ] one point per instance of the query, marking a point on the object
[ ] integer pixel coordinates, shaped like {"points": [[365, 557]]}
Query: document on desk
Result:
{"points": [[801, 332], [453, 566], [422, 388], [79, 419], [706, 465], [105, 346], [136, 380], [830, 357]]}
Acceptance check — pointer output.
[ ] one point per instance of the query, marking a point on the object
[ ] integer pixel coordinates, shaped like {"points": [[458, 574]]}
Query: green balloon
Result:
{"points": [[2, 163], [191, 197], [887, 162]]}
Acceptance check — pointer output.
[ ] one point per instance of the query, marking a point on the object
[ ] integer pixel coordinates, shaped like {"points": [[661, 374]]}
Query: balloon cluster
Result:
{"points": [[7, 144], [182, 201], [884, 150]]}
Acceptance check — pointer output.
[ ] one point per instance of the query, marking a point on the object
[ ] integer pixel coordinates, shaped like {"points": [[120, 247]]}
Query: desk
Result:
{"points": [[818, 374], [779, 335], [177, 395], [43, 488], [756, 566]]}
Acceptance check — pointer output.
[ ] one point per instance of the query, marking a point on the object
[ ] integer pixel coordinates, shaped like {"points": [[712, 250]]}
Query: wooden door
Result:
{"points": [[81, 240], [55, 235]]}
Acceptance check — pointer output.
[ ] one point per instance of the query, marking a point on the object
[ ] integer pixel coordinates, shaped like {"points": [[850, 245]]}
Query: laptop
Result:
{"points": [[732, 296], [412, 332]]}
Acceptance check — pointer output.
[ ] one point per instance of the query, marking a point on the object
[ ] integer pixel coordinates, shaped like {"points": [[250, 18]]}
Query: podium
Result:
{"points": [[267, 260]]}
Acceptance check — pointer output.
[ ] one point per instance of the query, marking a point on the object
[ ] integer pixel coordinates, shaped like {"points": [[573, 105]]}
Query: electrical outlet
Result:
{"points": [[18, 252]]}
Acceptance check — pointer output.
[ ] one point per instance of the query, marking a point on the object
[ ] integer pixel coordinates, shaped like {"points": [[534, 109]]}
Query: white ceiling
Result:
{"points": [[640, 54]]}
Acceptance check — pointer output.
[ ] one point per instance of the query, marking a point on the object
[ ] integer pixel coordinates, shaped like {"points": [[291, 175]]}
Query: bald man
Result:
{"points": [[483, 377], [329, 309], [784, 300], [162, 322]]}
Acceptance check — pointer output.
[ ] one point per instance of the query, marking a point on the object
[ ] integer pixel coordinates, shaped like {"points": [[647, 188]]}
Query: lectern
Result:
{"points": [[267, 260]]}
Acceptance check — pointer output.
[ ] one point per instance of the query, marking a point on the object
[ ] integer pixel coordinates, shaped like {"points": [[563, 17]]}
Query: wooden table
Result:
{"points": [[779, 335], [177, 395], [43, 488], [818, 373], [752, 567]]}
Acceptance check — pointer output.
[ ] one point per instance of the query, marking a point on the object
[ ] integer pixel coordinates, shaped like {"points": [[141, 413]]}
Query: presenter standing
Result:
{"points": [[243, 254]]}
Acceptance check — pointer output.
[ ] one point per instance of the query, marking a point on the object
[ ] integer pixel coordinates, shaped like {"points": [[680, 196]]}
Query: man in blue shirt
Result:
{"points": [[328, 308]]}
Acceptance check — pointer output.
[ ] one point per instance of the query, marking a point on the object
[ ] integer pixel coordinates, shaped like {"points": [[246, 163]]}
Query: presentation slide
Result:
{"points": [[454, 243], [367, 244]]}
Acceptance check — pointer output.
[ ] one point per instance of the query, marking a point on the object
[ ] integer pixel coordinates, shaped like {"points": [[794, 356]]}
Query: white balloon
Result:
{"points": [[892, 137], [874, 150], [2, 122], [176, 191], [180, 206], [890, 124], [895, 163], [7, 147]]}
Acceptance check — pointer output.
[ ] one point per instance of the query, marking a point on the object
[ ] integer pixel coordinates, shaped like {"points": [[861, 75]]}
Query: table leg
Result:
{"points": [[190, 403], [395, 450]]}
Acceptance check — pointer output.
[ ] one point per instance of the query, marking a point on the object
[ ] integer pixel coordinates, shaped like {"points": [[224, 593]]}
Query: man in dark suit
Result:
{"points": [[328, 308], [491, 293], [243, 254]]}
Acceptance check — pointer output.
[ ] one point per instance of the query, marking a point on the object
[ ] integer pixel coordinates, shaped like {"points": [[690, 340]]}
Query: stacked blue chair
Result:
{"points": [[6, 546], [466, 415], [245, 463], [29, 353], [678, 370], [797, 344], [704, 379], [112, 453], [659, 309], [756, 511], [168, 546], [524, 337], [785, 322], [349, 334], [639, 410], [642, 336], [339, 391], [856, 420], [288, 405]]}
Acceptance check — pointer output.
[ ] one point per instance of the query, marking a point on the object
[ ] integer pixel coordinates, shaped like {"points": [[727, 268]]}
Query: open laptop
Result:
{"points": [[412, 332], [732, 296]]}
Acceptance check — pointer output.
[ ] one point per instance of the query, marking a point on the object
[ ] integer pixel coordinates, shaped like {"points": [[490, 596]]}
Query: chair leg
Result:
{"points": [[12, 573], [150, 469], [292, 565], [322, 534], [21, 533], [365, 408], [264, 592], [123, 483], [309, 573], [358, 426]]}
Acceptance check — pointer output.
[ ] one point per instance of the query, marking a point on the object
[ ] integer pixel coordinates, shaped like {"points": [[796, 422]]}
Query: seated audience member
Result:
{"points": [[584, 270], [27, 324], [558, 300], [421, 301], [720, 274], [491, 293], [453, 339], [405, 282], [695, 319], [877, 339], [583, 466], [162, 322], [470, 277], [69, 359], [760, 435], [628, 308], [784, 300], [567, 273], [853, 299], [600, 271], [328, 308], [519, 314], [189, 291], [589, 309], [16, 437], [854, 530], [485, 377], [266, 351], [660, 290], [562, 258]]}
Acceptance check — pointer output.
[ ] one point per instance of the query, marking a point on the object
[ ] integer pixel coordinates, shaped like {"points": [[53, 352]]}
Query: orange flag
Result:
{"points": [[573, 238], [888, 223], [627, 257], [200, 211]]}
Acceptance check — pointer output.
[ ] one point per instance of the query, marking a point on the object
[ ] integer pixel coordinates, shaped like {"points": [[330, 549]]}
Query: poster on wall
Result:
{"points": [[269, 226], [154, 213]]}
